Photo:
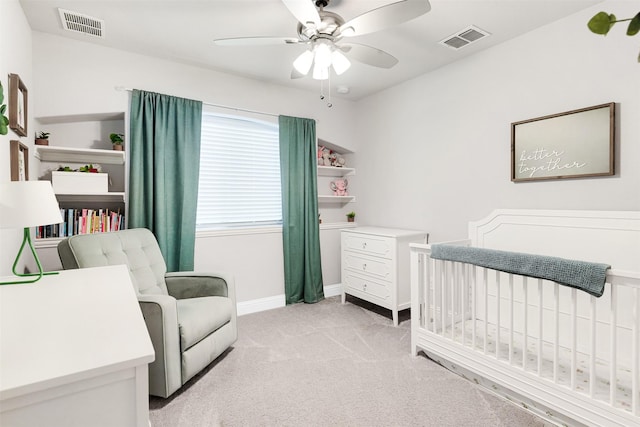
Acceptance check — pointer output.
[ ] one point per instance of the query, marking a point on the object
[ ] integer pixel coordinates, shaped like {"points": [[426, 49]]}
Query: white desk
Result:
{"points": [[74, 351]]}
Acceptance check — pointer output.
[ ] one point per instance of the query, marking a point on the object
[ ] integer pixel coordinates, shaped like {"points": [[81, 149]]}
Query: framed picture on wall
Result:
{"points": [[573, 144], [19, 158], [18, 105]]}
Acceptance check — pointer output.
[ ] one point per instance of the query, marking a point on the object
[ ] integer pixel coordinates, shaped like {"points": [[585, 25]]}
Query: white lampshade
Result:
{"points": [[28, 204], [303, 62], [340, 62], [322, 52], [320, 72]]}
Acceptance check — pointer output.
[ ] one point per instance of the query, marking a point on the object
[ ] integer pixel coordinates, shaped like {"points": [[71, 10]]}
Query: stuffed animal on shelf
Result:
{"points": [[320, 155], [326, 158], [339, 187]]}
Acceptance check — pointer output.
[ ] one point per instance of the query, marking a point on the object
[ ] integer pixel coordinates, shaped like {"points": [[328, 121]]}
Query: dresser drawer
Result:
{"points": [[381, 268], [372, 245], [368, 288]]}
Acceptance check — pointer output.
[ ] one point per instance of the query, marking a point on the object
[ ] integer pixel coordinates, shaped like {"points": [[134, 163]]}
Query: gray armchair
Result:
{"points": [[191, 317]]}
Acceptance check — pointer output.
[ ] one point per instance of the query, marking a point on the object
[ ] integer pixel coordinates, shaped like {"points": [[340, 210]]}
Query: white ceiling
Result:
{"points": [[184, 31]]}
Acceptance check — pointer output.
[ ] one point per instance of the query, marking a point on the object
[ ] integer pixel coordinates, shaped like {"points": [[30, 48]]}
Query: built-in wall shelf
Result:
{"points": [[336, 199], [334, 171], [78, 118], [48, 153], [110, 197]]}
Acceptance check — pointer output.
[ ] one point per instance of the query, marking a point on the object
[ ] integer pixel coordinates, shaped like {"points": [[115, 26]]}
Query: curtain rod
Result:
{"points": [[127, 89]]}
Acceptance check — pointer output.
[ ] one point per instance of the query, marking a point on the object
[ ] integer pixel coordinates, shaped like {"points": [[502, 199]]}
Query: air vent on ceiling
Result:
{"points": [[80, 23], [464, 37]]}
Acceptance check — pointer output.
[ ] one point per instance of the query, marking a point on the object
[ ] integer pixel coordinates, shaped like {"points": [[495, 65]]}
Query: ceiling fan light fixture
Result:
{"points": [[320, 72], [322, 52], [303, 62], [340, 62]]}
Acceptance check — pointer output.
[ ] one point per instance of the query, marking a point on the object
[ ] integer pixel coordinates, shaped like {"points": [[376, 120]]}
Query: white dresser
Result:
{"points": [[375, 266], [74, 351]]}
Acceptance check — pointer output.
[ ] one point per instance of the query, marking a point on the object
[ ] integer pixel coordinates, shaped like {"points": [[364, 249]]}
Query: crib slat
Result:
{"points": [[574, 334], [436, 286], [463, 311], [497, 315], [426, 275], [474, 314], [525, 322], [635, 352], [540, 327], [453, 289], [613, 341], [511, 319], [443, 306], [592, 361], [556, 320], [485, 281]]}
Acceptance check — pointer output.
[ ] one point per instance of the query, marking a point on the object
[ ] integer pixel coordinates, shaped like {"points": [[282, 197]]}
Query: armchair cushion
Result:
{"points": [[194, 326], [137, 248]]}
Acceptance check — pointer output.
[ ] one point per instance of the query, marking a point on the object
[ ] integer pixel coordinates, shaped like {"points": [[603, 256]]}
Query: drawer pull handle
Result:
{"points": [[364, 245], [364, 266], [364, 287]]}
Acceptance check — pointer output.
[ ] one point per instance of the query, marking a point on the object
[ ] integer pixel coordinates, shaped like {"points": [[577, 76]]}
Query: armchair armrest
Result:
{"points": [[161, 317], [188, 284]]}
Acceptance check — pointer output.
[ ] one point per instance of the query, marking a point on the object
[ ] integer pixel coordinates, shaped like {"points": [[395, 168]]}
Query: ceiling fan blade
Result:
{"points": [[256, 41], [369, 55], [385, 17], [304, 11]]}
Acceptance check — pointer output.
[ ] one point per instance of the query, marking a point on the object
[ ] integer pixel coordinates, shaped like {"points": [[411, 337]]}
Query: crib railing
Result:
{"points": [[588, 345]]}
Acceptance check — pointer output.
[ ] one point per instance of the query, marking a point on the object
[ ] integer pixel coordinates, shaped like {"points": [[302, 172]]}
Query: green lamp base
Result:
{"points": [[35, 276]]}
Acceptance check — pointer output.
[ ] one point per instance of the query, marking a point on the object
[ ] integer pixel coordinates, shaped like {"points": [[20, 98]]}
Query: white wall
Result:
{"points": [[435, 151], [80, 78], [15, 58]]}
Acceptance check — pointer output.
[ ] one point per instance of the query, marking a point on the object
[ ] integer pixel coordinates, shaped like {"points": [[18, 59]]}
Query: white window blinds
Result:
{"points": [[239, 173]]}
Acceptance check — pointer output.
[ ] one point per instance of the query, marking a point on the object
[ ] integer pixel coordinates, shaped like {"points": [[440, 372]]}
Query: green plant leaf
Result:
{"points": [[3, 108], [3, 128], [601, 23], [634, 25]]}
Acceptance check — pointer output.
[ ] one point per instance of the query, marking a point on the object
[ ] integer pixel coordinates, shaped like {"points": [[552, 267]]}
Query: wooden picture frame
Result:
{"points": [[19, 157], [18, 105], [574, 144]]}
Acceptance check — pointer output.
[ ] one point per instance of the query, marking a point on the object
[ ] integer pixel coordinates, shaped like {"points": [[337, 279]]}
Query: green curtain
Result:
{"points": [[300, 230], [163, 172]]}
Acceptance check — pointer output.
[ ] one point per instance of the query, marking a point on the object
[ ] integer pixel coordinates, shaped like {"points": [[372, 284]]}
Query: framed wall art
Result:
{"points": [[18, 105], [573, 144], [19, 157]]}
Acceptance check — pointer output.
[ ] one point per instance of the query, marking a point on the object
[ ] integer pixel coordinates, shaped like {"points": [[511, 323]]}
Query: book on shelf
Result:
{"points": [[82, 221]]}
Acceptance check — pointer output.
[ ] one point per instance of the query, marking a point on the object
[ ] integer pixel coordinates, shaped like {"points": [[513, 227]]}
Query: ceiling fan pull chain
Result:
{"points": [[329, 104]]}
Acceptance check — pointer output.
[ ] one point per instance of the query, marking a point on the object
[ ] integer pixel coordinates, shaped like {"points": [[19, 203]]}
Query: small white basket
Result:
{"points": [[79, 182]]}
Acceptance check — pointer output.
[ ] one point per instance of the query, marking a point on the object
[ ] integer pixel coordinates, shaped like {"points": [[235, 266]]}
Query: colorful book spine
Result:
{"points": [[82, 221]]}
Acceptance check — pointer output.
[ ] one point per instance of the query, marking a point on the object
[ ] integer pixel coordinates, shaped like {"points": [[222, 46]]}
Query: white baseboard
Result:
{"points": [[332, 290], [277, 301]]}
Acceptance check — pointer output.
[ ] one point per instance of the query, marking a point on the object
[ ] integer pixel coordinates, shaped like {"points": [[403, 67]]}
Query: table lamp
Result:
{"points": [[25, 204]]}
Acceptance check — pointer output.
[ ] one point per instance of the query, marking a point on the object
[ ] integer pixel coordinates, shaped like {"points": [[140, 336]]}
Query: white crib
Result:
{"points": [[561, 353]]}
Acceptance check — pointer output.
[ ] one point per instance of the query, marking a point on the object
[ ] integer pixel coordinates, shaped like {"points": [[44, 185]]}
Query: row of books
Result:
{"points": [[82, 221]]}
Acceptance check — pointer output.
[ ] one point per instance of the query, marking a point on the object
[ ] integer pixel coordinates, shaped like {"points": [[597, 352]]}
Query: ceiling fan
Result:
{"points": [[324, 31]]}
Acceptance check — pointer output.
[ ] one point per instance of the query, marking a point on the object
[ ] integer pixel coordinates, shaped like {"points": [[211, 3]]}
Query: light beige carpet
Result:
{"points": [[330, 364]]}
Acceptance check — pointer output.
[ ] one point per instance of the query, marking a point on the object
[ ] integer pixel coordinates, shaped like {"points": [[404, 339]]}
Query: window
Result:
{"points": [[239, 173]]}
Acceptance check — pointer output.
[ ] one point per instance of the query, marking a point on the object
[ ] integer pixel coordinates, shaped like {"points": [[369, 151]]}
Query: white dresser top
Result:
{"points": [[385, 232], [65, 327]]}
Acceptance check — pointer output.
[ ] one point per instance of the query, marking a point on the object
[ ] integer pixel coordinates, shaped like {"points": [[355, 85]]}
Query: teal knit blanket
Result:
{"points": [[587, 276]]}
